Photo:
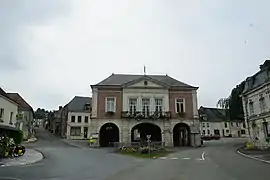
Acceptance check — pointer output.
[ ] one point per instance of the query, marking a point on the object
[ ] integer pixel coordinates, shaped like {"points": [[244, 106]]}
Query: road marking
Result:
{"points": [[199, 159], [163, 158], [186, 158], [174, 158], [203, 156]]}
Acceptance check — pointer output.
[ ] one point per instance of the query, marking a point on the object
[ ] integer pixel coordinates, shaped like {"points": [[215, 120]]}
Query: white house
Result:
{"points": [[77, 118], [256, 105], [215, 122], [8, 110]]}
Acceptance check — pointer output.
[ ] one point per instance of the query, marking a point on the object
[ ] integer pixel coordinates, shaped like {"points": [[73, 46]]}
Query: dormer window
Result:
{"points": [[87, 107]]}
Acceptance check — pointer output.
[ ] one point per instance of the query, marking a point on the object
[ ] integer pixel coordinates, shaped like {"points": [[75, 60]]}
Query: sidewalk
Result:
{"points": [[31, 156], [257, 154], [77, 143]]}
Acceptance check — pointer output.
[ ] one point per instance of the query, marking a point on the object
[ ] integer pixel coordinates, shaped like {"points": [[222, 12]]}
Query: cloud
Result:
{"points": [[60, 48]]}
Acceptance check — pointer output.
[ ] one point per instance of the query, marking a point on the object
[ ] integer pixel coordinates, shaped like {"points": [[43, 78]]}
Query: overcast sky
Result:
{"points": [[52, 50]]}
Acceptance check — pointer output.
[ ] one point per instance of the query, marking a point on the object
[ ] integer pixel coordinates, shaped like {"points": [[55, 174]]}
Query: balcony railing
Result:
{"points": [[138, 115]]}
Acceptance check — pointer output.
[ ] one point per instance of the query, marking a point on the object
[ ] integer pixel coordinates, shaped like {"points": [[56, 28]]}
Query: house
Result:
{"points": [[130, 108], [8, 110], [214, 121], [25, 116], [256, 105], [75, 123]]}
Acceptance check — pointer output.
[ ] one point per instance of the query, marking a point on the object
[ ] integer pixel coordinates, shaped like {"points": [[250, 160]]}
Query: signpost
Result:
{"points": [[149, 141]]}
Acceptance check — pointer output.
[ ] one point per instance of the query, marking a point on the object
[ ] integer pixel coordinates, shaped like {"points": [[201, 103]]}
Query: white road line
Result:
{"points": [[203, 156], [186, 158], [163, 158], [251, 157], [174, 158]]}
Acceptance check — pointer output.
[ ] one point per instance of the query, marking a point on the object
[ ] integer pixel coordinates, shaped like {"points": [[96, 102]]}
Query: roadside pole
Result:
{"points": [[149, 141]]}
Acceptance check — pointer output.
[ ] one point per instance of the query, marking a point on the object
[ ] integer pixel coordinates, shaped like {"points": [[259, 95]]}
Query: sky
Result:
{"points": [[52, 50]]}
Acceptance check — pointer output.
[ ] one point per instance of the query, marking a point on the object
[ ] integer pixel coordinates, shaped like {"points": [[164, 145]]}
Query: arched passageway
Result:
{"points": [[108, 134], [181, 135], [139, 132]]}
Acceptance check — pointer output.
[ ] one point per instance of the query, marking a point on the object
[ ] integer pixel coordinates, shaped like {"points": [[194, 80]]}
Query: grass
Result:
{"points": [[152, 155]]}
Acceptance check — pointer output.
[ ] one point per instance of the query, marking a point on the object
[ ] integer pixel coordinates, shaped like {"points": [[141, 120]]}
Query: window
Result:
{"points": [[227, 131], [86, 119], [232, 124], [266, 129], [1, 113], [208, 131], [262, 104], [79, 119], [251, 108], [243, 131], [207, 124], [225, 124], [158, 105], [72, 118], [87, 107], [110, 104], [11, 117], [244, 125], [146, 106], [179, 105], [203, 132], [75, 131], [237, 124], [132, 105], [203, 125]]}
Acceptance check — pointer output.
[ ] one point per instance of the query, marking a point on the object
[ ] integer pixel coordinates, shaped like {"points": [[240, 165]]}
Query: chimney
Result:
{"points": [[60, 107]]}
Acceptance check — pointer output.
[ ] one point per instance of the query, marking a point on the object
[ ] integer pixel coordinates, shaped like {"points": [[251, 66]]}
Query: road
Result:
{"points": [[218, 160]]}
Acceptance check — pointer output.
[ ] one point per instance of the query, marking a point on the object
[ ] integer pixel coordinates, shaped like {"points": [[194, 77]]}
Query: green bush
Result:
{"points": [[17, 136]]}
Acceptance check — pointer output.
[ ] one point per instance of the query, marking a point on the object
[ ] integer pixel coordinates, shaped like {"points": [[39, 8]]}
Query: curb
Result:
{"points": [[252, 157]]}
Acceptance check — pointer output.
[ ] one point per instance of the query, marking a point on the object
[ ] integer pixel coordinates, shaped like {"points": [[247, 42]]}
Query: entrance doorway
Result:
{"points": [[140, 131], [108, 135], [181, 135], [85, 132]]}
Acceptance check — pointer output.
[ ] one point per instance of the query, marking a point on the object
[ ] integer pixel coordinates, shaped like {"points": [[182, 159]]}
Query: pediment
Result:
{"points": [[145, 82]]}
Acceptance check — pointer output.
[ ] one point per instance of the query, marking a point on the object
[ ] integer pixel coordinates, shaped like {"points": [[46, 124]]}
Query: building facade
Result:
{"points": [[75, 118], [25, 116], [127, 108], [8, 110], [215, 122], [256, 105]]}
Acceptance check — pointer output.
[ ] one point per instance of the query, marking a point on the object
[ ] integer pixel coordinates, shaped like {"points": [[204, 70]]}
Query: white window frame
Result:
{"points": [[2, 111], [251, 108], [184, 104], [159, 106], [136, 104], [149, 105], [262, 104], [106, 104]]}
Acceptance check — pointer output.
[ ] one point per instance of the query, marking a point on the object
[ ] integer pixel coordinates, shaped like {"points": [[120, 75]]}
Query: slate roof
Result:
{"points": [[77, 104], [3, 93], [121, 79], [212, 114], [258, 79], [19, 100]]}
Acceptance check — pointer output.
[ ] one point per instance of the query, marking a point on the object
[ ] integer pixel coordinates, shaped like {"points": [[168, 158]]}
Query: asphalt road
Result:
{"points": [[218, 160]]}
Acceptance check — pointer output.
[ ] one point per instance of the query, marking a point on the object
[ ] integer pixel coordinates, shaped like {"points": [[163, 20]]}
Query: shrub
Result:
{"points": [[17, 136]]}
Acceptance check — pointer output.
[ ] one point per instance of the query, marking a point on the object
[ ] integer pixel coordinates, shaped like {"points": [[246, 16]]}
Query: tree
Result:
{"points": [[233, 104], [223, 103]]}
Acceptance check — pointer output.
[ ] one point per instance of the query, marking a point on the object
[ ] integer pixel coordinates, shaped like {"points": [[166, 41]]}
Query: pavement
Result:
{"points": [[257, 154], [31, 156], [216, 160]]}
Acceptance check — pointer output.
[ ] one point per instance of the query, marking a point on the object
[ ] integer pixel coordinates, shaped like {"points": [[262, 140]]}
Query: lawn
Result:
{"points": [[152, 155]]}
